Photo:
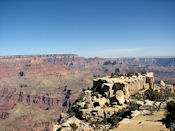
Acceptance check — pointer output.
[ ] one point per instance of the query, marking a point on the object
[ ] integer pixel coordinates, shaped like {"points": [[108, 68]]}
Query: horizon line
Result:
{"points": [[50, 54]]}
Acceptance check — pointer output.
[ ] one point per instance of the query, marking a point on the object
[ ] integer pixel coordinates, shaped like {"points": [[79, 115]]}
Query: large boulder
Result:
{"points": [[73, 120], [118, 86], [135, 113], [97, 83], [120, 97], [149, 103], [162, 83], [106, 87], [150, 78]]}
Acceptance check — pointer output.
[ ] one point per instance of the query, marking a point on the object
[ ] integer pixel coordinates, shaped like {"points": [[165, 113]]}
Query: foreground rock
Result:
{"points": [[74, 123], [104, 105], [162, 83], [120, 97]]}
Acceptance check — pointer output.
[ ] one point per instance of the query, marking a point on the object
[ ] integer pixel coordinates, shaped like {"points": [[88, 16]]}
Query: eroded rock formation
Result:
{"points": [[106, 97]]}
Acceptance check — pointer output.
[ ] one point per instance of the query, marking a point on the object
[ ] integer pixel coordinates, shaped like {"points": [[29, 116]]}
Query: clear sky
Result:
{"points": [[103, 28]]}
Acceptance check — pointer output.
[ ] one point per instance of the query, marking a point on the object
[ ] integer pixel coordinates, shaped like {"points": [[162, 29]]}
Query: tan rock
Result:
{"points": [[73, 120], [149, 103], [140, 103], [118, 86], [150, 78], [170, 87], [106, 87], [120, 97], [135, 113], [162, 83]]}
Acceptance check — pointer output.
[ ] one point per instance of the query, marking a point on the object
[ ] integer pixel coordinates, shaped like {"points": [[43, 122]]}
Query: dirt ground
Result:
{"points": [[143, 122]]}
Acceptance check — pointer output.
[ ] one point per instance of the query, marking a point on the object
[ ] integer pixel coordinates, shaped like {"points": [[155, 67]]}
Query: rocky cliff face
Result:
{"points": [[41, 100], [33, 65], [36, 81]]}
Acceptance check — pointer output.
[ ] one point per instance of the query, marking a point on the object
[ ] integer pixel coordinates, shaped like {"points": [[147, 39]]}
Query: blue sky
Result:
{"points": [[89, 28]]}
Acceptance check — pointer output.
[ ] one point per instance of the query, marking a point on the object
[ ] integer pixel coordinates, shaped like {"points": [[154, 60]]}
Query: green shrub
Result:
{"points": [[116, 75], [114, 123], [132, 106], [161, 96], [118, 116], [130, 74], [71, 112], [170, 116], [59, 129], [143, 73], [73, 126], [138, 96], [171, 106], [80, 98], [166, 93], [152, 95], [112, 75], [85, 106]]}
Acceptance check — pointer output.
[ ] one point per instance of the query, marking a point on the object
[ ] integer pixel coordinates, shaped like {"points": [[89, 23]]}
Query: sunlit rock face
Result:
{"points": [[129, 85]]}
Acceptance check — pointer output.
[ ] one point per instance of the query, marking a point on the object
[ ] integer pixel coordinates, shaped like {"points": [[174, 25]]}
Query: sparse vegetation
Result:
{"points": [[59, 129], [71, 112], [152, 95], [79, 98], [96, 123], [170, 116], [118, 116], [156, 96], [161, 96], [85, 106], [130, 74], [143, 73], [116, 75], [74, 126], [132, 106], [138, 96], [104, 98]]}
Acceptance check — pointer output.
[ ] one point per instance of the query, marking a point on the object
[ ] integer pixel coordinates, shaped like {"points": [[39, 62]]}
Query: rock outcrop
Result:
{"points": [[162, 83], [129, 85], [120, 97], [106, 97]]}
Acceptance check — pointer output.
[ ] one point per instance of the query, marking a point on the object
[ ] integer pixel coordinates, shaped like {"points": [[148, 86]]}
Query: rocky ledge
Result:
{"points": [[110, 100]]}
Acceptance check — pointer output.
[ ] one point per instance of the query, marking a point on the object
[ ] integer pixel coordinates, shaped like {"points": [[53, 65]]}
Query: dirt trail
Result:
{"points": [[143, 123]]}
